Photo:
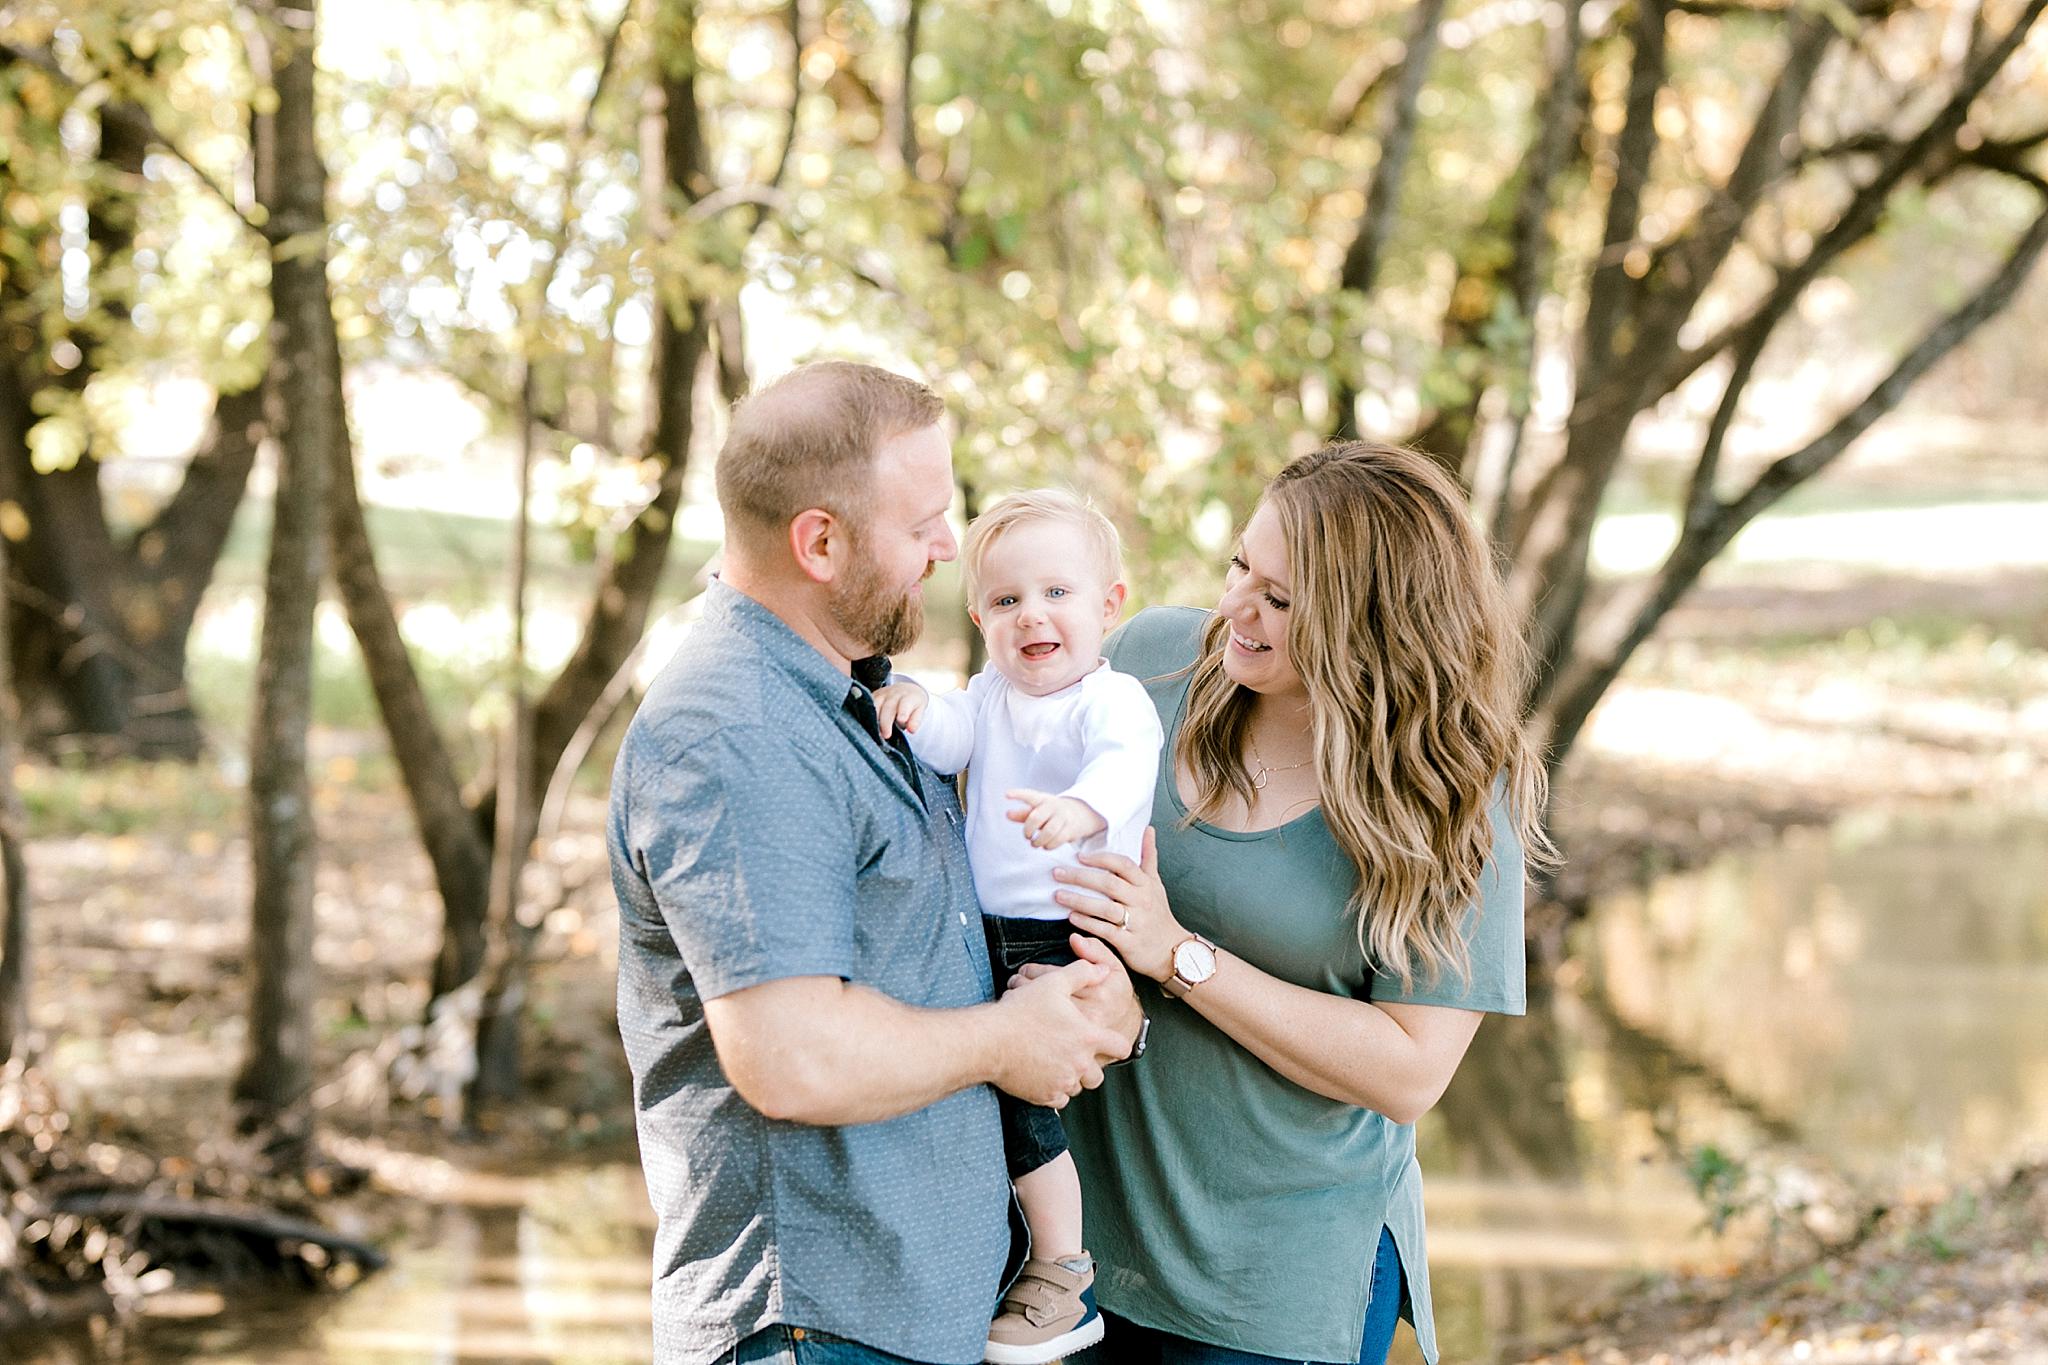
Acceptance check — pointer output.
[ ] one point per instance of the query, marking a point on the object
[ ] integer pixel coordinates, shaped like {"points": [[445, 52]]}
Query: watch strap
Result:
{"points": [[1137, 1044]]}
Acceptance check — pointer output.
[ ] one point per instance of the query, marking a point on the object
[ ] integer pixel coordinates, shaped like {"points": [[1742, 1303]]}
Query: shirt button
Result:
{"points": [[963, 917], [796, 1333]]}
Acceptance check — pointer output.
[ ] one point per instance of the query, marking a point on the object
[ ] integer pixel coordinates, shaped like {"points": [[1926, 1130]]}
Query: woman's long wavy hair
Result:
{"points": [[1400, 628]]}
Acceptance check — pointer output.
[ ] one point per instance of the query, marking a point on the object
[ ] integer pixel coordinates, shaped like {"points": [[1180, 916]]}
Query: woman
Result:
{"points": [[1333, 901]]}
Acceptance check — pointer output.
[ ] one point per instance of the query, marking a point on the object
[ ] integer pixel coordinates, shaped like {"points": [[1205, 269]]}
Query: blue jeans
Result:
{"points": [[1032, 1134], [1126, 1343], [802, 1346]]}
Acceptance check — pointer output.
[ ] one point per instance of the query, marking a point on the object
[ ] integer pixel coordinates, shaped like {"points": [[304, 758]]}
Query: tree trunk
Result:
{"points": [[277, 1069], [977, 647], [101, 632], [1550, 584], [456, 844], [72, 658], [171, 563], [100, 645], [618, 614], [1383, 196], [14, 949], [14, 945], [499, 1050]]}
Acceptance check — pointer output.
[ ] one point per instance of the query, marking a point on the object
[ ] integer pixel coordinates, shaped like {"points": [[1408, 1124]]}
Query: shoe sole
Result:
{"points": [[1044, 1352]]}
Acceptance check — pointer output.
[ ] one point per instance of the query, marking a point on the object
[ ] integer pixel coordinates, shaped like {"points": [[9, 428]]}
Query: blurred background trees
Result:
{"points": [[1725, 312], [1152, 250]]}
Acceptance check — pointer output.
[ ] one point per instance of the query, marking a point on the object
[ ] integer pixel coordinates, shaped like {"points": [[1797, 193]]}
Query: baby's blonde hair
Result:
{"points": [[1035, 505]]}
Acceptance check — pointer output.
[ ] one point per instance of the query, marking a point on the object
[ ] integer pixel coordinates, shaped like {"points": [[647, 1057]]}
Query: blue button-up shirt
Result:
{"points": [[760, 830]]}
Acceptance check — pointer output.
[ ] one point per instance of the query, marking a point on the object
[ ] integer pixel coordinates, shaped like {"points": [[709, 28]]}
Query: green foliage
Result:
{"points": [[1944, 1234], [1114, 248], [1721, 1182]]}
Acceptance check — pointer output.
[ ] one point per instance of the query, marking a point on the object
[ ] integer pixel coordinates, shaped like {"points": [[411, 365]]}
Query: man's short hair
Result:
{"points": [[809, 440], [1036, 505]]}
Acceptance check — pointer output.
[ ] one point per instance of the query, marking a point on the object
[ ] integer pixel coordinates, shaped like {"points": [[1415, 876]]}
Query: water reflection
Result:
{"points": [[505, 1269], [1883, 986], [1874, 995]]}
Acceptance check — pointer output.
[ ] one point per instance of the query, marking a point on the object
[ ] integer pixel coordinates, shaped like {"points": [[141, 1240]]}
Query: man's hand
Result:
{"points": [[1057, 1043], [1050, 821], [1110, 1002], [900, 703]]}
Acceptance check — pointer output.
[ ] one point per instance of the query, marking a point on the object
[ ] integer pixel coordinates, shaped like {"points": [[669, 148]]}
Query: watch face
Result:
{"points": [[1194, 961]]}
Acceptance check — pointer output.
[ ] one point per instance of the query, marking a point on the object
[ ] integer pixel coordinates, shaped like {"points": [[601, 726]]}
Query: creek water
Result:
{"points": [[1869, 1000]]}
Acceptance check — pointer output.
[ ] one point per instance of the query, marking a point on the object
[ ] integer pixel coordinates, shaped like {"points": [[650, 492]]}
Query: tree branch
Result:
{"points": [[1722, 9], [1382, 196], [136, 121], [1865, 211], [1681, 271], [1611, 285], [1633, 617], [1359, 83], [1532, 238], [1786, 473], [618, 613], [899, 115], [728, 325]]}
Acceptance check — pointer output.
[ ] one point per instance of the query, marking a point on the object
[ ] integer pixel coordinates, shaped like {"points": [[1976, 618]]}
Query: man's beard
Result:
{"points": [[869, 609]]}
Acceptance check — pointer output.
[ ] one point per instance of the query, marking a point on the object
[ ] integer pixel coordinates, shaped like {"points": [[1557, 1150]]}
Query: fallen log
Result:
{"points": [[218, 1215]]}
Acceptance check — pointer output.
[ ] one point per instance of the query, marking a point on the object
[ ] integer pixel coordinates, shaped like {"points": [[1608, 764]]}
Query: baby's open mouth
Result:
{"points": [[1041, 650]]}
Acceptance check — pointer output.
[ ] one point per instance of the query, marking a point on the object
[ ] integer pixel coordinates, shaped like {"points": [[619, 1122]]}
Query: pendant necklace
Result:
{"points": [[1265, 771]]}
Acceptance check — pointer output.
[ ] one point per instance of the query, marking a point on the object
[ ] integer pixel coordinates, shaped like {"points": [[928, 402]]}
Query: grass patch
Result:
{"points": [[1927, 655], [77, 795], [223, 684], [451, 557]]}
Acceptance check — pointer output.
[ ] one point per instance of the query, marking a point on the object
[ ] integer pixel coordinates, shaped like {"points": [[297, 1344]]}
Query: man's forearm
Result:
{"points": [[825, 1051]]}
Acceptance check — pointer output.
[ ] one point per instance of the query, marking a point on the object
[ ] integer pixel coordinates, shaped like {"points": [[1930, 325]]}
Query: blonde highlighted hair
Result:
{"points": [[1400, 629], [1039, 505]]}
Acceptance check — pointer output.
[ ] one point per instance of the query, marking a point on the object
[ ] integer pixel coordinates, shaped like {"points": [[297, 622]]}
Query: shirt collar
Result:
{"points": [[727, 607]]}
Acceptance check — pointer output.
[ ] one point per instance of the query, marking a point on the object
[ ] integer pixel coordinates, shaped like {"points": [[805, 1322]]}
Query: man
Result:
{"points": [[803, 985]]}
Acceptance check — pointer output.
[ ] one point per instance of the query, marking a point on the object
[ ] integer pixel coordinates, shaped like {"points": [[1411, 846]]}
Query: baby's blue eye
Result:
{"points": [[1006, 602], [1055, 592]]}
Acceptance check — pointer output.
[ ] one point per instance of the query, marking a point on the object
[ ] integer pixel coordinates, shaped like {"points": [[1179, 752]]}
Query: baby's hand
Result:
{"points": [[900, 703], [1050, 821]]}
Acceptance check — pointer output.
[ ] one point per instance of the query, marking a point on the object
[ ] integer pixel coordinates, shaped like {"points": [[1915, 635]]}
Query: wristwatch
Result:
{"points": [[1194, 961]]}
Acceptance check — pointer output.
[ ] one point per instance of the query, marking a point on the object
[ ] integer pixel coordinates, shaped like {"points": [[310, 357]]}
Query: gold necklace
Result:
{"points": [[1265, 771]]}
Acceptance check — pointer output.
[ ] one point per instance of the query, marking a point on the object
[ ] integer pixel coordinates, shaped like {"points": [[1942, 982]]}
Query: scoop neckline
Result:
{"points": [[1170, 779]]}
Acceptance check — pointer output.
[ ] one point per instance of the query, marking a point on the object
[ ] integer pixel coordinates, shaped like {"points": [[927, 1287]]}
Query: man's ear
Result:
{"points": [[1113, 605], [818, 543]]}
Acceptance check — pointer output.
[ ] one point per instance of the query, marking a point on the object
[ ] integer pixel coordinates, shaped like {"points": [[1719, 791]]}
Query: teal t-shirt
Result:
{"points": [[1224, 1202]]}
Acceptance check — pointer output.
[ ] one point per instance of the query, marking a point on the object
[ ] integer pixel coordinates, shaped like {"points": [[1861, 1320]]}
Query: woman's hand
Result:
{"points": [[1128, 909]]}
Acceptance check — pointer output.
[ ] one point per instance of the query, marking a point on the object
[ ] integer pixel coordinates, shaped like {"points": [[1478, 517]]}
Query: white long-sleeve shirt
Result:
{"points": [[1097, 741]]}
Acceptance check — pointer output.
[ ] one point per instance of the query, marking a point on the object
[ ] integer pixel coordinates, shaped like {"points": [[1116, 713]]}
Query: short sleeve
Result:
{"points": [[748, 848], [1157, 642], [1493, 934]]}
